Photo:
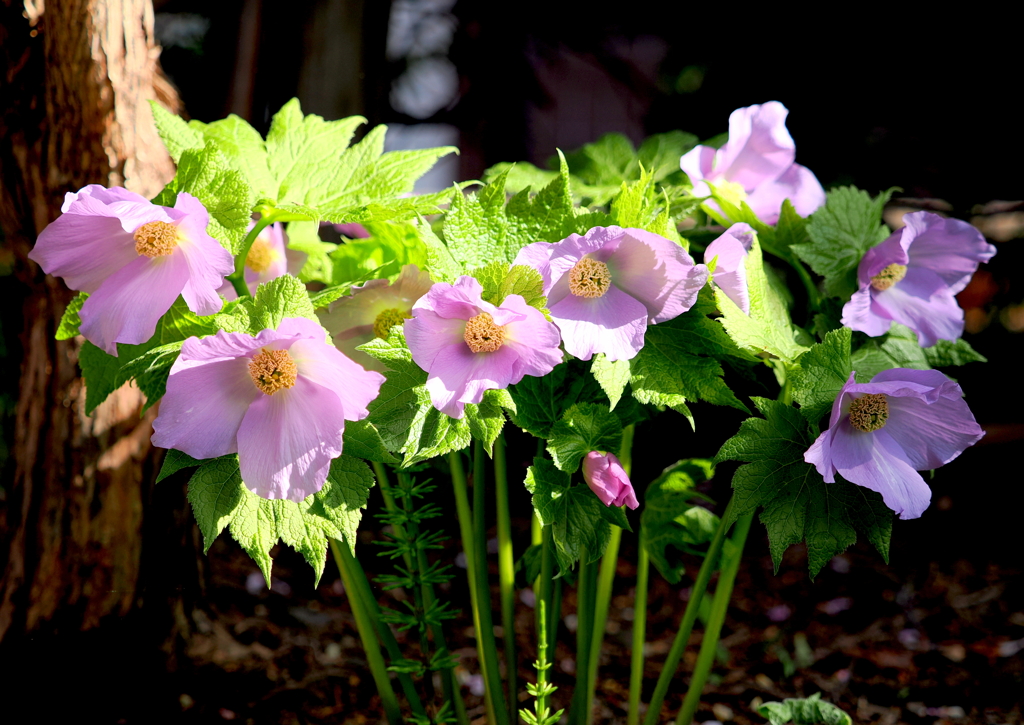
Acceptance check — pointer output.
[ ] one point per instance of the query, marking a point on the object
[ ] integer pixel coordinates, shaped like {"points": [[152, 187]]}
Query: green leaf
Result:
{"points": [[767, 329], [541, 402], [149, 371], [277, 299], [70, 321], [896, 349], [671, 517], [804, 711], [206, 174], [305, 237], [175, 461], [573, 512], [362, 440], [680, 361], [440, 262], [499, 280], [823, 371], [488, 417], [244, 149], [797, 504], [946, 353], [840, 233], [585, 427], [390, 246], [549, 216], [219, 499], [612, 376], [408, 422], [174, 131]]}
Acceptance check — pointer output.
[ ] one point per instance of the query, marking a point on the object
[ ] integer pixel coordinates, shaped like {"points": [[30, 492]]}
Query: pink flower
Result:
{"points": [[913, 276], [730, 273], [883, 432], [133, 258], [605, 287], [372, 310], [279, 399], [606, 477], [469, 346], [268, 258], [758, 157]]}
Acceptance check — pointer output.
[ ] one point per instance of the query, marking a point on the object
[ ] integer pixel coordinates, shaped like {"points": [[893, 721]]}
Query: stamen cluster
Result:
{"points": [[260, 256], [482, 335], [386, 320], [869, 412], [589, 278], [889, 276], [273, 370], [156, 239]]}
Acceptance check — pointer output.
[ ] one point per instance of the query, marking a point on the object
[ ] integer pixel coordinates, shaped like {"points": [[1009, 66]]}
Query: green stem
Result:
{"points": [[813, 296], [719, 606], [586, 593], [636, 673], [542, 661], [506, 573], [367, 599], [544, 585], [479, 598], [601, 604], [700, 586], [237, 278], [367, 632]]}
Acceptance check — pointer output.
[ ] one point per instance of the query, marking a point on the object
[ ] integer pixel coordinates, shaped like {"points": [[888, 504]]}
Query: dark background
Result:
{"points": [[895, 99]]}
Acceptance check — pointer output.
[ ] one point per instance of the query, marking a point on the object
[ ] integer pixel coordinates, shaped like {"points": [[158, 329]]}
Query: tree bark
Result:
{"points": [[73, 111]]}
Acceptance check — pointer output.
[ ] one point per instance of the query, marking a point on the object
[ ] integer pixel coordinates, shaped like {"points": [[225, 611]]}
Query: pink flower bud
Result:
{"points": [[604, 474]]}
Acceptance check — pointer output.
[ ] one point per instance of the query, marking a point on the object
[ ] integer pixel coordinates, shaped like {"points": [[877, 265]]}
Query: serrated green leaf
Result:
{"points": [[671, 517], [547, 217], [70, 321], [281, 297], [573, 512], [488, 417], [206, 174], [823, 371], [390, 247], [236, 316], [499, 280], [804, 711], [440, 262], [840, 233], [244, 149], [175, 461], [403, 414], [611, 376], [797, 503], [946, 353], [362, 440], [215, 491], [585, 427], [541, 402], [767, 329], [149, 371], [174, 131]]}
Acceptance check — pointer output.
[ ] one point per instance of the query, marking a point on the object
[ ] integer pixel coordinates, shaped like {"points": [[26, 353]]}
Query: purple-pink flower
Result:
{"points": [[730, 252], [268, 258], [606, 477], [469, 346], [759, 158], [912, 277], [605, 287], [133, 259], [279, 400], [883, 432], [372, 310]]}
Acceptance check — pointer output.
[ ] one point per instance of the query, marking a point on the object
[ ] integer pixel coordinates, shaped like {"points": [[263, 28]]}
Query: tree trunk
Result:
{"points": [[73, 111]]}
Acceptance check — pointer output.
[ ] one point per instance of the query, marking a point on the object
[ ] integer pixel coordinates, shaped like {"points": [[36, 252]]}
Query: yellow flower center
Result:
{"points": [[589, 278], [869, 412], [156, 239], [272, 370], [260, 256], [386, 320], [889, 276], [482, 335]]}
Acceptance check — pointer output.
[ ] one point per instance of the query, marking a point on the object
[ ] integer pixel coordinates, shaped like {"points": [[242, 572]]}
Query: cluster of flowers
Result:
{"points": [[280, 399]]}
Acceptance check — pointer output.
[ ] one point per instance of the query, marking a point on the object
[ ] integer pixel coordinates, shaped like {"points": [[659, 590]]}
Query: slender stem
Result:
{"points": [[542, 661], [367, 598], [719, 606], [237, 278], [602, 601], [636, 673], [506, 573], [544, 585], [488, 656], [813, 296], [586, 593], [367, 633], [536, 537], [700, 586]]}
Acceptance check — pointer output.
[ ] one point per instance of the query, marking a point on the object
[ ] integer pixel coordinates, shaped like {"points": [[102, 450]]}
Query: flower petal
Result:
{"points": [[208, 264], [759, 149], [924, 303], [614, 324], [863, 314], [131, 301], [893, 250], [606, 477], [949, 247], [325, 365], [83, 250], [656, 272], [698, 163], [538, 256], [534, 339], [730, 250], [428, 333], [286, 441], [203, 407], [798, 184], [876, 461], [459, 376], [932, 434]]}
